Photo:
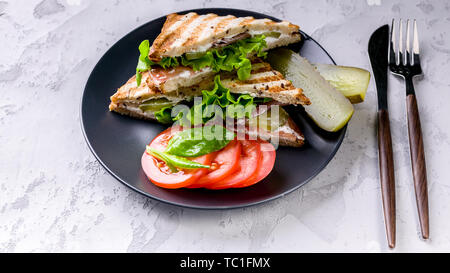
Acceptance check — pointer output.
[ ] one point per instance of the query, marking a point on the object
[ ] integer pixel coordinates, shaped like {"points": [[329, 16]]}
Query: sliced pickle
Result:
{"points": [[352, 82], [329, 109], [271, 119], [273, 34], [155, 105], [194, 55]]}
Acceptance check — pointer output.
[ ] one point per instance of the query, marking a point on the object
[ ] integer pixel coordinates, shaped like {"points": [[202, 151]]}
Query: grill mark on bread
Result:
{"points": [[246, 21], [266, 82], [270, 23], [178, 32], [131, 91], [193, 37], [260, 70], [275, 89], [211, 28], [172, 21], [222, 24], [164, 42], [189, 30], [262, 80]]}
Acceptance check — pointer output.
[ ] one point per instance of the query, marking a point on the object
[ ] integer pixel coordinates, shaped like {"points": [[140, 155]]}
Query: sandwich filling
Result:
{"points": [[227, 54], [230, 106]]}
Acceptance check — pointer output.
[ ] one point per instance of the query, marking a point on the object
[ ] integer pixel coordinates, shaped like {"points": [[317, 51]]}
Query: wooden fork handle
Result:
{"points": [[387, 178], [418, 163]]}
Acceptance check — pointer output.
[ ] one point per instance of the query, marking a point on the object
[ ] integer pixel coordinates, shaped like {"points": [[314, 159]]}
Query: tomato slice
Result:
{"points": [[160, 141], [159, 173], [265, 166], [226, 162], [248, 166]]}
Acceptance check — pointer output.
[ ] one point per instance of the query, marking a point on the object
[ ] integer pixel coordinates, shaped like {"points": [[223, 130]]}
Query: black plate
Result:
{"points": [[119, 141]]}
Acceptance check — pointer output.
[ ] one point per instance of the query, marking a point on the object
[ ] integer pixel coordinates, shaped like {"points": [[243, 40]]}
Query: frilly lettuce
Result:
{"points": [[144, 63], [235, 106], [229, 58]]}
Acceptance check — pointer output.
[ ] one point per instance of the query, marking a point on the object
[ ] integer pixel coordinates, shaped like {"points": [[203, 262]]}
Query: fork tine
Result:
{"points": [[407, 60], [392, 44], [416, 59], [400, 43]]}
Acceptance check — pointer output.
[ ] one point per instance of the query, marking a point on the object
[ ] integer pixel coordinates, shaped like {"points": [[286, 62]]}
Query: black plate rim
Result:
{"points": [[320, 169]]}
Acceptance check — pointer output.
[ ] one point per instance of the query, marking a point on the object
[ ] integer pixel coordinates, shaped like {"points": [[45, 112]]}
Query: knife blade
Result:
{"points": [[378, 53]]}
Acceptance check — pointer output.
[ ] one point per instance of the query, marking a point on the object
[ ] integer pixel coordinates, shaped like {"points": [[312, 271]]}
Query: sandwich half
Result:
{"points": [[199, 33], [208, 44]]}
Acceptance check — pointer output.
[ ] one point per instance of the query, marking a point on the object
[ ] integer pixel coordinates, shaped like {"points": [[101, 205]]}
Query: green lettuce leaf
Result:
{"points": [[229, 58], [199, 141], [207, 59], [235, 106], [145, 64], [174, 162], [164, 115]]}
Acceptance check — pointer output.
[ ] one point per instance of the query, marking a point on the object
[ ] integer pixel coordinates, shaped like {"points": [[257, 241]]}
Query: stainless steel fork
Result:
{"points": [[404, 61]]}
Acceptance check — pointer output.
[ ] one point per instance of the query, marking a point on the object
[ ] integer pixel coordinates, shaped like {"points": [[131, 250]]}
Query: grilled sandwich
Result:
{"points": [[192, 49]]}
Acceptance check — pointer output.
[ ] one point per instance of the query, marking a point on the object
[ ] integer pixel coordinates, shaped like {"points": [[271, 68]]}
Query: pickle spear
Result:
{"points": [[329, 109], [352, 82]]}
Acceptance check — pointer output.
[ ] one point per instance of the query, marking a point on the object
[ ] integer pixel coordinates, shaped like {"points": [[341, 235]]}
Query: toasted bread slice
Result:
{"points": [[267, 83], [129, 96], [160, 83], [191, 32]]}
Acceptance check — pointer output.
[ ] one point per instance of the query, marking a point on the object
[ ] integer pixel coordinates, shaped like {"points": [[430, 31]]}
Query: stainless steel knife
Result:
{"points": [[378, 54]]}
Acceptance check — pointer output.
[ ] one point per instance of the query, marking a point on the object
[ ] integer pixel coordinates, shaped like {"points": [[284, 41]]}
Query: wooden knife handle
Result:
{"points": [[418, 163], [387, 177]]}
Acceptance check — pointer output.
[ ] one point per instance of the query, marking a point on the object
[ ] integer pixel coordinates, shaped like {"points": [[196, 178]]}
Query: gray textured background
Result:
{"points": [[54, 196]]}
